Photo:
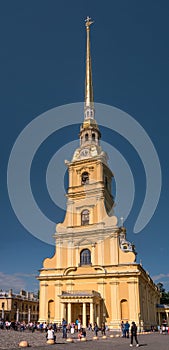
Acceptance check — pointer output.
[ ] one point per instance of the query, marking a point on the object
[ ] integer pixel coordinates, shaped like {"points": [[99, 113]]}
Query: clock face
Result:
{"points": [[84, 152]]}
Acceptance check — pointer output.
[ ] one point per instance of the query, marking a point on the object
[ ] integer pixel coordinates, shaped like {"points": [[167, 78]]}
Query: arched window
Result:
{"points": [[85, 257], [85, 178], [86, 137], [93, 137], [51, 310], [85, 217], [124, 310]]}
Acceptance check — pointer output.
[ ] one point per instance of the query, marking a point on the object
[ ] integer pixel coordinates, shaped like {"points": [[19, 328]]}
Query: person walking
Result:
{"points": [[64, 328], [134, 334], [103, 328], [96, 328], [122, 329]]}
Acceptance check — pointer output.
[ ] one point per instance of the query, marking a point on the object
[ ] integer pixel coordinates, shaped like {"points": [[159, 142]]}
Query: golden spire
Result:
{"points": [[89, 101]]}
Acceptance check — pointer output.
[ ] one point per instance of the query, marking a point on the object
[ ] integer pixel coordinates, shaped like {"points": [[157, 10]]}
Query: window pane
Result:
{"points": [[85, 257]]}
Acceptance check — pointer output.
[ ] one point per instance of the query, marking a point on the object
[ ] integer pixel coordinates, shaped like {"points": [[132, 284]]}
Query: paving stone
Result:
{"points": [[9, 340]]}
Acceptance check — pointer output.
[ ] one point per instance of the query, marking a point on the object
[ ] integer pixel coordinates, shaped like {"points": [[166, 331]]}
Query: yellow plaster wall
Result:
{"points": [[126, 257]]}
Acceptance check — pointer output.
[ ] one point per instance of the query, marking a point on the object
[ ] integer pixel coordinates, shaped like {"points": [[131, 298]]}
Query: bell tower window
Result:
{"points": [[85, 178], [85, 257], [93, 137], [86, 137], [85, 217]]}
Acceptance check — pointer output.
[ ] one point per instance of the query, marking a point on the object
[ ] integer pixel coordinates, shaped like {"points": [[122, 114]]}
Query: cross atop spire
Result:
{"points": [[88, 21], [89, 101]]}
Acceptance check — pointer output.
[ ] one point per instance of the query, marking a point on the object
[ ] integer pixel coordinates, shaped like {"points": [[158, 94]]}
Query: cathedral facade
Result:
{"points": [[93, 274]]}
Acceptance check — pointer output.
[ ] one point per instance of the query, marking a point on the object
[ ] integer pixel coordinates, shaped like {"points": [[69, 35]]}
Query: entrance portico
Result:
{"points": [[84, 305]]}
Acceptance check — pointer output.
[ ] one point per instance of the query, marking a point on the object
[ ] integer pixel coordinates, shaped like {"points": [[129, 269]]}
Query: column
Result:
{"points": [[84, 315], [99, 171], [91, 216], [2, 313], [98, 314], [93, 254], [57, 300], [147, 304], [62, 312], [95, 313], [17, 315], [70, 212], [77, 256], [100, 257], [43, 303], [115, 304], [70, 253], [134, 308], [78, 213], [99, 201], [114, 249], [58, 254], [70, 177], [91, 314], [29, 315], [69, 316]]}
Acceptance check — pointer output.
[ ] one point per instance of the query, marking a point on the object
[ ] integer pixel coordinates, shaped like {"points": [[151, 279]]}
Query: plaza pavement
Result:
{"points": [[37, 341]]}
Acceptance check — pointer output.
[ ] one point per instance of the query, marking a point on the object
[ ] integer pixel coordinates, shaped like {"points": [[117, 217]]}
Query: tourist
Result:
{"points": [[55, 327], [76, 325], [126, 329], [7, 325], [123, 329], [72, 329], [96, 329], [64, 328], [41, 327], [134, 334], [89, 326], [103, 328], [50, 335], [79, 325], [82, 333]]}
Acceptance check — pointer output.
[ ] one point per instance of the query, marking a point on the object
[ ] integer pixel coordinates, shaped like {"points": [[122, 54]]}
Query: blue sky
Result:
{"points": [[42, 63]]}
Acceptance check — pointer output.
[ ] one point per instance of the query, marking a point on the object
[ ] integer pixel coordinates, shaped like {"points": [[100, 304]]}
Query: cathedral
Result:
{"points": [[93, 275]]}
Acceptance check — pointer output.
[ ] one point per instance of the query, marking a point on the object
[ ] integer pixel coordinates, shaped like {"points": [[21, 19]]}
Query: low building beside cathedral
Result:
{"points": [[22, 307], [93, 274]]}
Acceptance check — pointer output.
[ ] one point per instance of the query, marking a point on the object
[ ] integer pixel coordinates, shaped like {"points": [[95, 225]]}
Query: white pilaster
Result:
{"points": [[91, 314], [17, 315], [115, 304], [84, 315], [29, 315], [69, 313]]}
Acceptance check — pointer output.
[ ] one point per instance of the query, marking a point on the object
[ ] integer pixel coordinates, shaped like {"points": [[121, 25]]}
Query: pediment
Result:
{"points": [[85, 242]]}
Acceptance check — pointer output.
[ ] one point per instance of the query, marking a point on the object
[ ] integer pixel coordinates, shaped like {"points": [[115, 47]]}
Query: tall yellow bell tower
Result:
{"points": [[93, 274]]}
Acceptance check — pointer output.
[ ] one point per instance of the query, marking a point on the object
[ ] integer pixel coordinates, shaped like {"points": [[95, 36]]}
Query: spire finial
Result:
{"points": [[88, 21], [89, 101]]}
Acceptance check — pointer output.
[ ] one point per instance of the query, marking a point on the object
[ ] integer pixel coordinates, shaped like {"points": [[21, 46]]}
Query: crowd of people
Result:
{"points": [[22, 326], [50, 330]]}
